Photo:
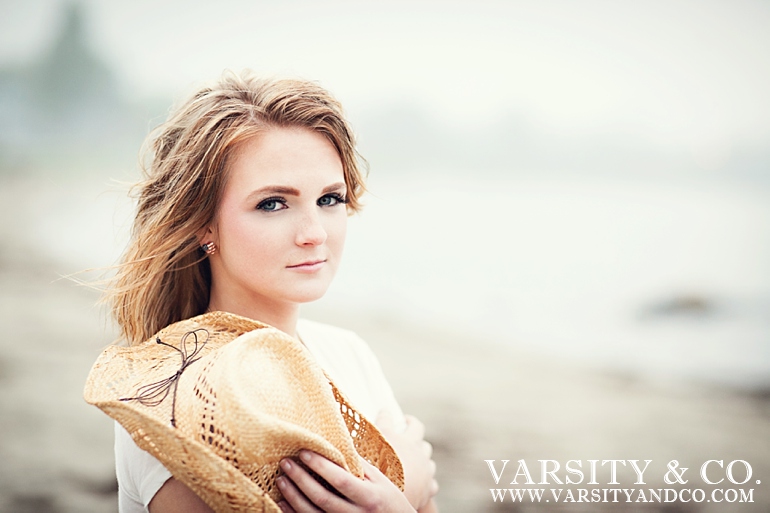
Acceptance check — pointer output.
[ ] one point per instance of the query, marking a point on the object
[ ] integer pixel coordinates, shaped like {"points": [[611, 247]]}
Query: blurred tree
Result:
{"points": [[70, 76], [63, 105]]}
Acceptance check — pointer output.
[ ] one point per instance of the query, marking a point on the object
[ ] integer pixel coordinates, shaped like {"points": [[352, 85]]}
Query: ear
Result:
{"points": [[207, 234]]}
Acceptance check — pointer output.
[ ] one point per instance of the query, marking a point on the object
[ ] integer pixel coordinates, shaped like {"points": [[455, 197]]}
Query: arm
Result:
{"points": [[355, 369], [415, 454], [429, 508], [175, 497], [303, 494], [375, 493], [143, 480]]}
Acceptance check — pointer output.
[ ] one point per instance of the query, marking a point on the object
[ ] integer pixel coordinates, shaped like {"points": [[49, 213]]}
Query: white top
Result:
{"points": [[344, 356]]}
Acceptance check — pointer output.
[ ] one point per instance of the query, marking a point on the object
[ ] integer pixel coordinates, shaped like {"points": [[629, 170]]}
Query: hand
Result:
{"points": [[303, 494], [415, 454]]}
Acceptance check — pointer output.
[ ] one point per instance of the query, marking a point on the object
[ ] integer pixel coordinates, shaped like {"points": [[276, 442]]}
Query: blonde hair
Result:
{"points": [[164, 276]]}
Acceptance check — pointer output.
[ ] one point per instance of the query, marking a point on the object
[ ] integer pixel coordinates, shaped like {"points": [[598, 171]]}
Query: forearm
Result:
{"points": [[429, 508]]}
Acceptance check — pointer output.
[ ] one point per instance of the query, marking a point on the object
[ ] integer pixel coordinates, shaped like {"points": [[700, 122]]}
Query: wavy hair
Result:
{"points": [[164, 276]]}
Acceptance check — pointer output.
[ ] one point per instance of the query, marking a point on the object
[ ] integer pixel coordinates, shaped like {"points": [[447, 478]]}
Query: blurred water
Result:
{"points": [[581, 270], [661, 280]]}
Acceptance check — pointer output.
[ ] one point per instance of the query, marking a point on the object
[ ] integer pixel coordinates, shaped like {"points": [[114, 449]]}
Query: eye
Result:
{"points": [[272, 204], [329, 200]]}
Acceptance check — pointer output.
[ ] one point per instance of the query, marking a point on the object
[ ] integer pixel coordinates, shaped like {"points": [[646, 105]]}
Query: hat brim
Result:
{"points": [[120, 371], [217, 482]]}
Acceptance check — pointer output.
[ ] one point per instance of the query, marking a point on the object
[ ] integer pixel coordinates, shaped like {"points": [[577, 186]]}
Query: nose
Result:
{"points": [[311, 231]]}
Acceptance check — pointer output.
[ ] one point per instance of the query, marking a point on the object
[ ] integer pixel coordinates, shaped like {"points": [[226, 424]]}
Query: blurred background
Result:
{"points": [[565, 252]]}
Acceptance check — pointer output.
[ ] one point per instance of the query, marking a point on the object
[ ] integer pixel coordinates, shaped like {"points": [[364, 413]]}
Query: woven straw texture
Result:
{"points": [[247, 395]]}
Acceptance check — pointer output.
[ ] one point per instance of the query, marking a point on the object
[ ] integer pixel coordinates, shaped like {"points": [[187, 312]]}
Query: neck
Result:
{"points": [[282, 316]]}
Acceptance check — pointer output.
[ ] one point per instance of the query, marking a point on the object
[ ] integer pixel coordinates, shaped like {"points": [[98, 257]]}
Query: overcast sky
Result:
{"points": [[677, 72]]}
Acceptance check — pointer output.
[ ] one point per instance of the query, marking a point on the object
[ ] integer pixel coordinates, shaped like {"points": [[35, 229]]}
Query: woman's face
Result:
{"points": [[281, 222]]}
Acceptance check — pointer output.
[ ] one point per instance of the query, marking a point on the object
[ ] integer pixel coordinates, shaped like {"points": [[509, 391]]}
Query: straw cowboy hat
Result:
{"points": [[221, 399]]}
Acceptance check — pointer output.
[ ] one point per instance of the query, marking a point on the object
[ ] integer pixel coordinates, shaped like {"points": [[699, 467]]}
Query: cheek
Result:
{"points": [[243, 238], [337, 231]]}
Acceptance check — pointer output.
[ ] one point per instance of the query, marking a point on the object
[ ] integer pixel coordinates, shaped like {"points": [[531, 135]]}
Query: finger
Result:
{"points": [[340, 479], [335, 475], [371, 472], [414, 427], [293, 497], [385, 420], [427, 447], [285, 507], [433, 487]]}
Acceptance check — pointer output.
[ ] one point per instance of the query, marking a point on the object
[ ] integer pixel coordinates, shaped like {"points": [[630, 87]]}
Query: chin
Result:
{"points": [[309, 294], [309, 288]]}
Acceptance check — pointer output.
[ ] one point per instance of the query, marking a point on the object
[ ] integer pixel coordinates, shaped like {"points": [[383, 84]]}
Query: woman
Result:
{"points": [[244, 209]]}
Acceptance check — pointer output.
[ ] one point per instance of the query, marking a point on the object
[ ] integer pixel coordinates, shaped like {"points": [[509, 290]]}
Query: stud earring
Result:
{"points": [[209, 248]]}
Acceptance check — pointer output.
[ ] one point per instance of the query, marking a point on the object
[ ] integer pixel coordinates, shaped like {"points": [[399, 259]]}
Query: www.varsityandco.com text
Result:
{"points": [[601, 481]]}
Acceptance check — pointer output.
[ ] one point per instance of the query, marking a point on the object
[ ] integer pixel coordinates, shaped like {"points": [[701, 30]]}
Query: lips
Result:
{"points": [[308, 266]]}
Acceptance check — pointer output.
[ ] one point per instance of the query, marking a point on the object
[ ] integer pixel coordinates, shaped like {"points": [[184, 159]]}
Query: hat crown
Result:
{"points": [[260, 399]]}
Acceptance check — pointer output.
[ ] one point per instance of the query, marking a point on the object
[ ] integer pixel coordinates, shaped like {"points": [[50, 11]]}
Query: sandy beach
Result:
{"points": [[479, 401]]}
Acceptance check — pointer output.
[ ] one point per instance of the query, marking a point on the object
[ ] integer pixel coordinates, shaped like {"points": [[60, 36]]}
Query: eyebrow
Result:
{"points": [[291, 191], [335, 187]]}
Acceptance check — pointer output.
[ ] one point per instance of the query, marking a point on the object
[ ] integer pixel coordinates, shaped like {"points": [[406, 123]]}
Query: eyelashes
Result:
{"points": [[272, 204], [276, 203], [329, 200]]}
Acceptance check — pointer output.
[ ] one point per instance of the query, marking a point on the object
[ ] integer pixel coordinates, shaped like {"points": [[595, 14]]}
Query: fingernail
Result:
{"points": [[305, 456], [281, 482], [286, 465]]}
